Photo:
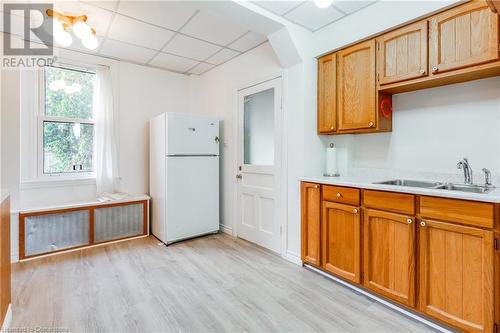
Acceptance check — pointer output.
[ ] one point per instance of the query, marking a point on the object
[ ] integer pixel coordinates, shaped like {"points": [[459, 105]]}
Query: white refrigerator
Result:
{"points": [[184, 176]]}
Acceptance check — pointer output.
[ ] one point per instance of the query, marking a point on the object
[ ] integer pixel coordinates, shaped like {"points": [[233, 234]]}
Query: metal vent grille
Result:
{"points": [[53, 232], [118, 222]]}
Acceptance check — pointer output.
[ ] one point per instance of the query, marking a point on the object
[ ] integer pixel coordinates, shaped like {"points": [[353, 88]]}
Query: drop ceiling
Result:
{"points": [[172, 35], [307, 15], [186, 36]]}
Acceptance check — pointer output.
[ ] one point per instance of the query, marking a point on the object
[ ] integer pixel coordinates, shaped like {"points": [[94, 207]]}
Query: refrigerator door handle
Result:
{"points": [[217, 139]]}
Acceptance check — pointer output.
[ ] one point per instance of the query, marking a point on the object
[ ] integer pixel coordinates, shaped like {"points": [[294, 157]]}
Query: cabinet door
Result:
{"points": [[327, 93], [456, 275], [463, 37], [356, 100], [402, 53], [341, 240], [389, 254], [311, 223]]}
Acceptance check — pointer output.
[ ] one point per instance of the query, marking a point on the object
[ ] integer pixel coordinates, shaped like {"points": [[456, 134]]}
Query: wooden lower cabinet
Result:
{"points": [[389, 255], [438, 256], [311, 223], [456, 275], [341, 244]]}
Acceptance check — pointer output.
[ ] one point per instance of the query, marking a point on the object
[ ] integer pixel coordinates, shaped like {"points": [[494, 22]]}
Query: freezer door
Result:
{"points": [[192, 196], [192, 135]]}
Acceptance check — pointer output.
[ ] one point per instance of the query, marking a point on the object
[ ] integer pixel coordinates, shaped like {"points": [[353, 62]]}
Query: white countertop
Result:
{"points": [[367, 183], [128, 198], [3, 195]]}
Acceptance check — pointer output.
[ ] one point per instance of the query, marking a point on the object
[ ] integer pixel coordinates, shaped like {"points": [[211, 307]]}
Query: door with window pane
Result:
{"points": [[66, 121], [259, 156]]}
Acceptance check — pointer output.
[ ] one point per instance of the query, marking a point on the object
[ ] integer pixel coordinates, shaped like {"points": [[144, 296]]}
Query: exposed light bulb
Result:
{"points": [[323, 3], [90, 42], [57, 85], [74, 88], [57, 26], [63, 38], [82, 30]]}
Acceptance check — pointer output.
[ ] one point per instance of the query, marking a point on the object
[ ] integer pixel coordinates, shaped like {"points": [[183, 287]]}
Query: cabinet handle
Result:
{"points": [[409, 221], [370, 124], [339, 195], [332, 128], [422, 223], [355, 211], [435, 69], [422, 71], [316, 186]]}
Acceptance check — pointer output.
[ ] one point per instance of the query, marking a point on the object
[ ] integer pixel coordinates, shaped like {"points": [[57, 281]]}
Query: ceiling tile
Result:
{"points": [[117, 49], [191, 47], [250, 40], [213, 29], [351, 6], [168, 14], [201, 68], [222, 56], [312, 17], [109, 5], [278, 7], [139, 33], [172, 62], [97, 18]]}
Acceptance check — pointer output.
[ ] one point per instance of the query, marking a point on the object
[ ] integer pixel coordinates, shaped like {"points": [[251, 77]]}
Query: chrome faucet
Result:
{"points": [[487, 177], [464, 164]]}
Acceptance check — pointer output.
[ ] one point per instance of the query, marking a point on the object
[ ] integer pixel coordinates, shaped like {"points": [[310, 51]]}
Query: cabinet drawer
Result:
{"points": [[389, 201], [480, 214], [345, 195]]}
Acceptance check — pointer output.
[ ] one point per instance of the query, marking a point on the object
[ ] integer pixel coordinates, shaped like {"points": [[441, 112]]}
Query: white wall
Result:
{"points": [[218, 98], [141, 93]]}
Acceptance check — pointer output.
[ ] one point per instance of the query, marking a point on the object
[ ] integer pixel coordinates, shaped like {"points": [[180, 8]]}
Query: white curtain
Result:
{"points": [[105, 144]]}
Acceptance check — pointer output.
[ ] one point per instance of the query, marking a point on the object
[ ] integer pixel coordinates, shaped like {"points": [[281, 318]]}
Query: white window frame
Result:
{"points": [[41, 118]]}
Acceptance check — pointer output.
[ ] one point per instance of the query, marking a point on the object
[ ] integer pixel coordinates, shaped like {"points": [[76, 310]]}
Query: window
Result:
{"points": [[66, 123]]}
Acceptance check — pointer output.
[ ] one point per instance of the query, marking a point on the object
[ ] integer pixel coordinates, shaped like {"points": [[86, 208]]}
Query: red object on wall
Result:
{"points": [[386, 106]]}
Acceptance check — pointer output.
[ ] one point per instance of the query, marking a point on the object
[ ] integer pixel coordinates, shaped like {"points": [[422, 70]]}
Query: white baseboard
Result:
{"points": [[226, 229], [382, 301], [7, 320], [293, 258]]}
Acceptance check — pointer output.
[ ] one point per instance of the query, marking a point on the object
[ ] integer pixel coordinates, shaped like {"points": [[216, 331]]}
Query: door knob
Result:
{"points": [[422, 71], [422, 223], [355, 211], [434, 69], [371, 123], [409, 221], [339, 195], [239, 176]]}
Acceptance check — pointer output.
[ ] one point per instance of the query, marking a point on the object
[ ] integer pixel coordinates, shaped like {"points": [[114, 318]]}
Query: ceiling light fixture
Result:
{"points": [[62, 23], [323, 3]]}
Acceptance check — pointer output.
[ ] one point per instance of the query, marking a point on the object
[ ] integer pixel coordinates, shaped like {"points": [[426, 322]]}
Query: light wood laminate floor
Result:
{"points": [[210, 284]]}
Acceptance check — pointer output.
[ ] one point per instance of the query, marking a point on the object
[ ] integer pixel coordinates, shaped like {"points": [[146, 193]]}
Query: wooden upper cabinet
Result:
{"points": [[494, 6], [463, 36], [327, 93], [311, 223], [356, 87], [389, 255], [402, 54], [456, 275], [341, 240]]}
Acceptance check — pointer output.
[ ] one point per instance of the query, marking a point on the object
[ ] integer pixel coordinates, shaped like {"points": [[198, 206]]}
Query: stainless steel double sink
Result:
{"points": [[438, 185]]}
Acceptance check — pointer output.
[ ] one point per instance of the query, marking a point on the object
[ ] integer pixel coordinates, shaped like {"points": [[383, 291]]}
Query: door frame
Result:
{"points": [[281, 169]]}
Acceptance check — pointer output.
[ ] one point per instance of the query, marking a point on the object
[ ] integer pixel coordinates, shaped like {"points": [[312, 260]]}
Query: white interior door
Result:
{"points": [[259, 164]]}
